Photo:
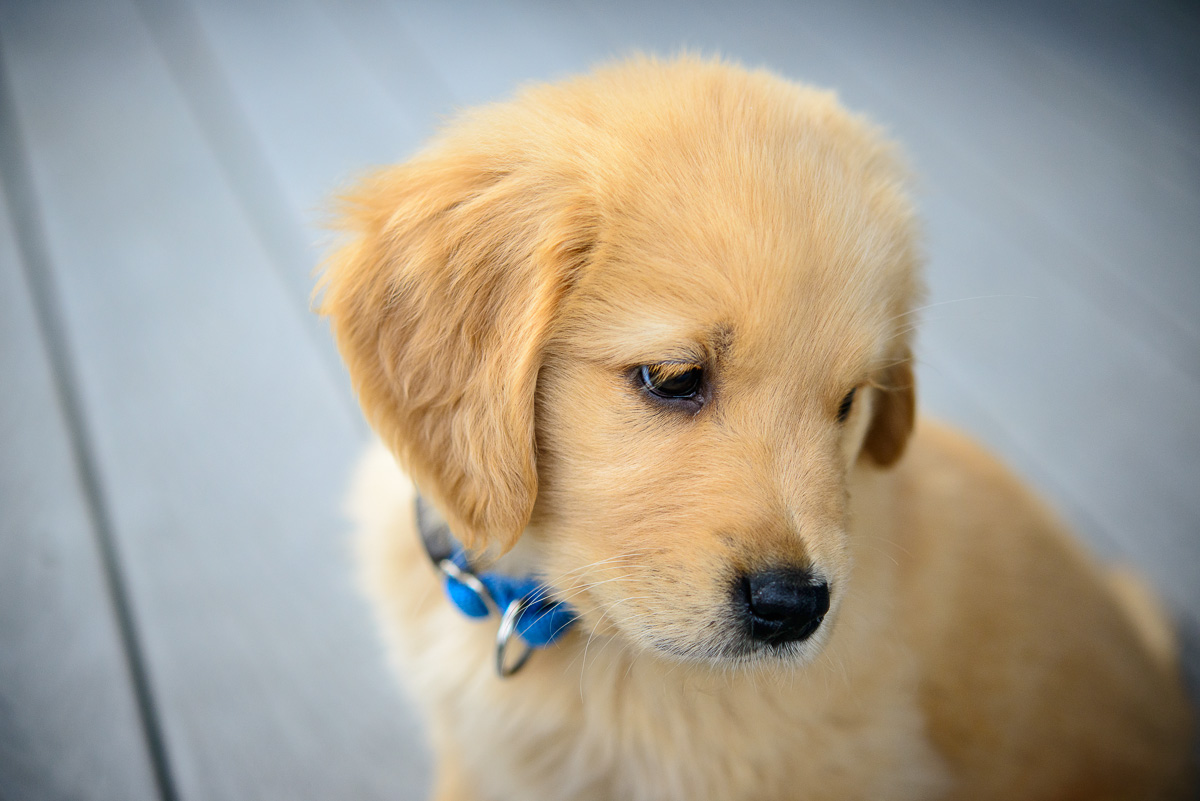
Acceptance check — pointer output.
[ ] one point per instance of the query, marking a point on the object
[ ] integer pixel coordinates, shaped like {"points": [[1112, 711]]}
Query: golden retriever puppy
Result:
{"points": [[641, 340]]}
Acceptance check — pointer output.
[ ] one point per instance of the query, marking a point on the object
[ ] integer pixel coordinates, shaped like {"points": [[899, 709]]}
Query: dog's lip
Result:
{"points": [[736, 652], [737, 648]]}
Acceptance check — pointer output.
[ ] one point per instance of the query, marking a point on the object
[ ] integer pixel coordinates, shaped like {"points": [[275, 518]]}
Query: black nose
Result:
{"points": [[782, 606]]}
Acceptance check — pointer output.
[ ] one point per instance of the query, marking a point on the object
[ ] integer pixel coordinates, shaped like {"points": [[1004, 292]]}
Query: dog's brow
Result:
{"points": [[721, 338], [704, 348]]}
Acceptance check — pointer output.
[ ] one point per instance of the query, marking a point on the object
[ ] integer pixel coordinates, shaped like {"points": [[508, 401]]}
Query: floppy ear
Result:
{"points": [[441, 303], [893, 412]]}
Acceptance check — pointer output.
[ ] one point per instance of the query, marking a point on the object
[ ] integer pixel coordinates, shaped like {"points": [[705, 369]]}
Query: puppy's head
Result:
{"points": [[651, 320]]}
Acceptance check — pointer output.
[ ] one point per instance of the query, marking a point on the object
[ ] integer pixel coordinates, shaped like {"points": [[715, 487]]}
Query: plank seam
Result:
{"points": [[196, 72], [37, 268]]}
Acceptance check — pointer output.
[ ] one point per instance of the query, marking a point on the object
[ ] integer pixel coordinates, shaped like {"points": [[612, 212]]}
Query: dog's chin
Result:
{"points": [[737, 652]]}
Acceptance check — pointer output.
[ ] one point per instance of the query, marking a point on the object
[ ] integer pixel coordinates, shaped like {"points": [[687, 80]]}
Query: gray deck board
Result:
{"points": [[373, 29], [1122, 201], [318, 110], [223, 439], [210, 96], [69, 725], [1140, 56]]}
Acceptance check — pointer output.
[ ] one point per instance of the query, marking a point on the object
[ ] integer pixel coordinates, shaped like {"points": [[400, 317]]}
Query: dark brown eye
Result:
{"points": [[847, 403], [672, 381]]}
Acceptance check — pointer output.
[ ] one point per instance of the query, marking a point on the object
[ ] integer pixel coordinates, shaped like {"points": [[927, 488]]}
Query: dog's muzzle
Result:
{"points": [[780, 606]]}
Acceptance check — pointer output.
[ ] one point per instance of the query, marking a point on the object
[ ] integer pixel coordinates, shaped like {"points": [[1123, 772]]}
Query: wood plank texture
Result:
{"points": [[288, 68], [223, 440], [69, 723]]}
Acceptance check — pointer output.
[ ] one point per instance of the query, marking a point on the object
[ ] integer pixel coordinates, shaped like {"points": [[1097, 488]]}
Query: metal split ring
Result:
{"points": [[508, 618], [504, 635]]}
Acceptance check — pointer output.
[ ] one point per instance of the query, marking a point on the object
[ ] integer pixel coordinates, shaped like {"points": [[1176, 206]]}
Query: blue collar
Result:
{"points": [[523, 603]]}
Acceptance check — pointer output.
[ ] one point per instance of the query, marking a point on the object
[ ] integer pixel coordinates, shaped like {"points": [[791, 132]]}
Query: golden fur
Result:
{"points": [[493, 303]]}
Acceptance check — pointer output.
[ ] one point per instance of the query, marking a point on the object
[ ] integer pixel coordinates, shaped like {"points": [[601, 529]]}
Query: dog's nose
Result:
{"points": [[783, 606]]}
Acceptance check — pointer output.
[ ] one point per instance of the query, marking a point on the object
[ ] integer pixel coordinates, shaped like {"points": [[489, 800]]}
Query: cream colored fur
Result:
{"points": [[494, 301]]}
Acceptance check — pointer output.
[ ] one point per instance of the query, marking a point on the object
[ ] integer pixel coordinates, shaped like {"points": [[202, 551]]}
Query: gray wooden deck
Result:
{"points": [[177, 613]]}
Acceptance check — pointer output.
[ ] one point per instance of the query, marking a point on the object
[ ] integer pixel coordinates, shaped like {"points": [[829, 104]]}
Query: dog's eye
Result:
{"points": [[847, 403], [672, 380]]}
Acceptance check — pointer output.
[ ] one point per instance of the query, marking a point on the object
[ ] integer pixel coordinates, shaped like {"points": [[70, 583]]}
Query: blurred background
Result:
{"points": [[178, 613]]}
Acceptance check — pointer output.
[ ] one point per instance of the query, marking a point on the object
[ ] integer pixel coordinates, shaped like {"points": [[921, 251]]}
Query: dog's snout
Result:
{"points": [[782, 606]]}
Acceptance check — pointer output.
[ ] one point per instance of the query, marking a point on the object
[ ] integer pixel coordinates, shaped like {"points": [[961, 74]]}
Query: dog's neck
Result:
{"points": [[440, 542]]}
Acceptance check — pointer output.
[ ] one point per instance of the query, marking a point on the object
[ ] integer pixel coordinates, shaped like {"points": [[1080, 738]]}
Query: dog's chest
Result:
{"points": [[625, 731]]}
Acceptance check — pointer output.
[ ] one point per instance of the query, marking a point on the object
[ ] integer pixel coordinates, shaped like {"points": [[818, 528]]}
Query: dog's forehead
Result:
{"points": [[745, 206], [784, 271]]}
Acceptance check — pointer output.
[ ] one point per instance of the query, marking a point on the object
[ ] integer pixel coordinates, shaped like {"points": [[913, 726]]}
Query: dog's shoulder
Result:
{"points": [[993, 588]]}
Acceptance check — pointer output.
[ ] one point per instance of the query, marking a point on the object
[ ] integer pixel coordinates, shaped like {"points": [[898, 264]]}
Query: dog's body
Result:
{"points": [[646, 335]]}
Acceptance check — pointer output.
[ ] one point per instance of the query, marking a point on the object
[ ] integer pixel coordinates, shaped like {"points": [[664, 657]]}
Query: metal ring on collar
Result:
{"points": [[504, 635], [471, 582]]}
